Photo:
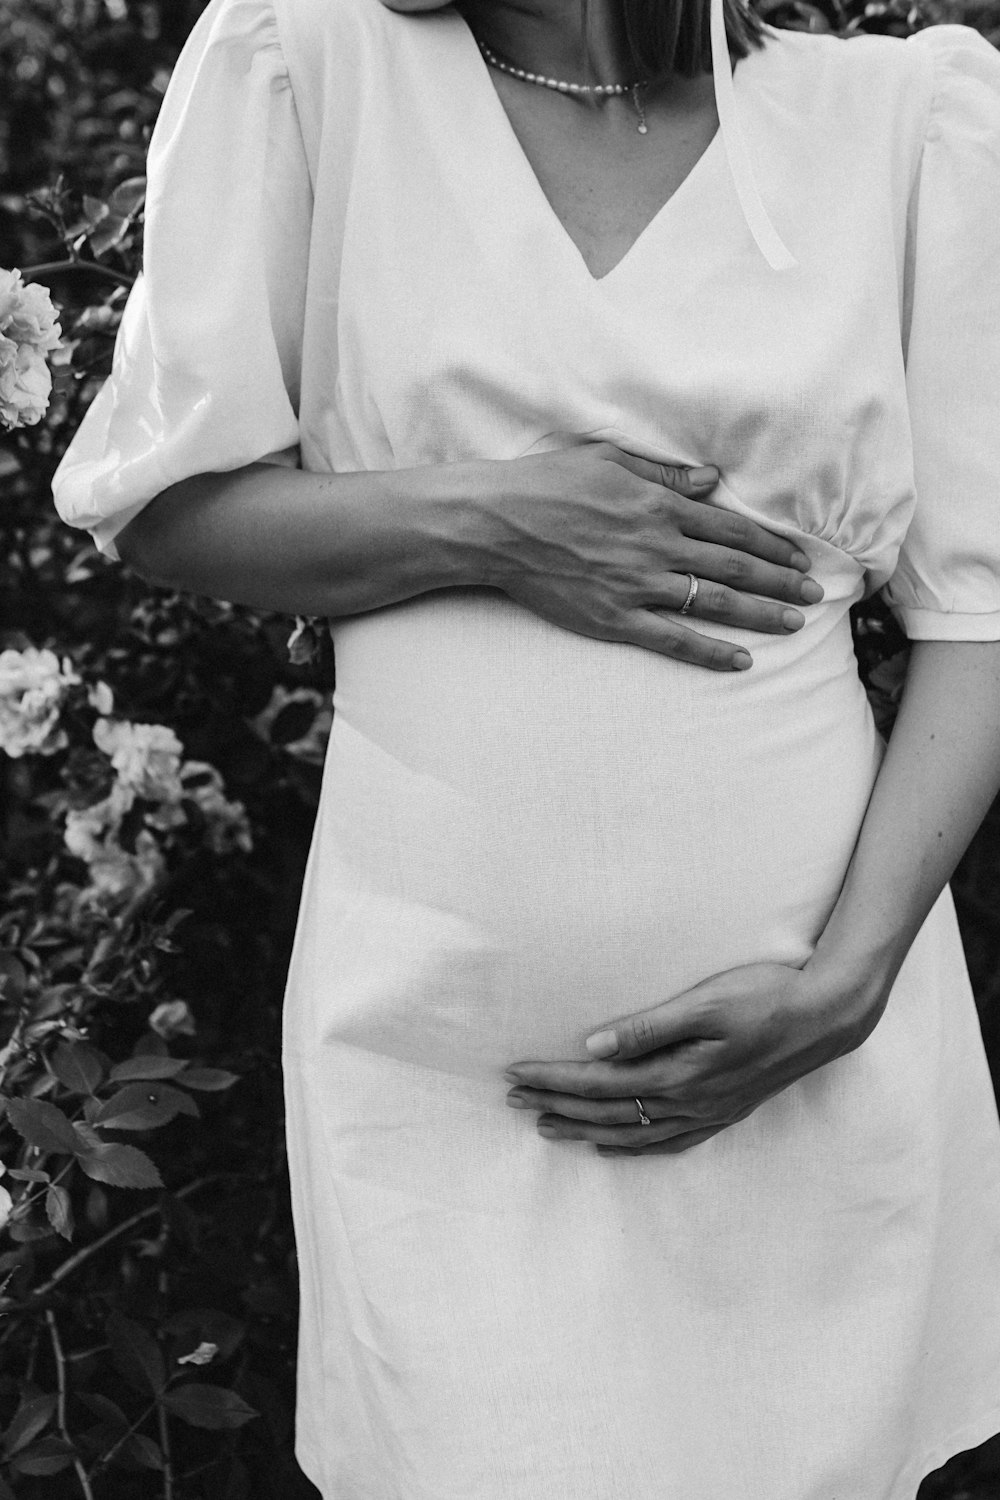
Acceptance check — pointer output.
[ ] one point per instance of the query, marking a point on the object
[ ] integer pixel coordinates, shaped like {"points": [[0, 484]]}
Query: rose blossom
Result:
{"points": [[172, 1018], [32, 687], [147, 757], [27, 314], [25, 384]]}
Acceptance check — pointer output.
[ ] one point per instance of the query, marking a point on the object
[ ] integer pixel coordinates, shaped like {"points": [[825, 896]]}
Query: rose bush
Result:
{"points": [[160, 759]]}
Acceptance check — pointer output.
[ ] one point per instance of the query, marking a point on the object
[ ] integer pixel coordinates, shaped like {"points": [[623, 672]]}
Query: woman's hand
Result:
{"points": [[601, 542], [698, 1062]]}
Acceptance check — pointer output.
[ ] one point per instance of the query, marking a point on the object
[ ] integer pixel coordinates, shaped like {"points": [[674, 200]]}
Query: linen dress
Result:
{"points": [[524, 832]]}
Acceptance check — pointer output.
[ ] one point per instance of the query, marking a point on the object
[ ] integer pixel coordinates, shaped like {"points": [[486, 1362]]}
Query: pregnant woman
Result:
{"points": [[442, 314]]}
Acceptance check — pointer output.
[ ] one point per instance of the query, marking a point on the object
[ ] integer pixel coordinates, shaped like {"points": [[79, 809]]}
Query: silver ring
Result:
{"points": [[692, 595], [643, 1117]]}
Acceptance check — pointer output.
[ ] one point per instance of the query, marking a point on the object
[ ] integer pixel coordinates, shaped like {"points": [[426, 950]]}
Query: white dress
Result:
{"points": [[524, 832]]}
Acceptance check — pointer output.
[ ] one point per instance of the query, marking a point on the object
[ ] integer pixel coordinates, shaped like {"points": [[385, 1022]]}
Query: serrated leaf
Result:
{"points": [[50, 1455], [142, 1450], [112, 231], [143, 1106], [210, 1080], [208, 1406], [95, 209], [27, 1174], [120, 1166], [59, 1210], [147, 1066], [31, 1418], [78, 1067], [136, 1353], [42, 1125], [150, 1045]]}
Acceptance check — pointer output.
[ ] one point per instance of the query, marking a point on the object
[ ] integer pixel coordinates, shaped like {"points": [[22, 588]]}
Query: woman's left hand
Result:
{"points": [[700, 1061]]}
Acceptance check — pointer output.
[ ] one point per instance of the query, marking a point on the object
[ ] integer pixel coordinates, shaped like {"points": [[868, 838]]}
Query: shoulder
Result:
{"points": [[870, 74]]}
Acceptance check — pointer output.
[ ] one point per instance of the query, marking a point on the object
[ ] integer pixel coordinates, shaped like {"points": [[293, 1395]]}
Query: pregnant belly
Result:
{"points": [[524, 833]]}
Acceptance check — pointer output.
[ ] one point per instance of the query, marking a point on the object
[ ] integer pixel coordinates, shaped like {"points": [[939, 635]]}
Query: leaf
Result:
{"points": [[13, 979], [150, 1045], [31, 1417], [208, 1406], [143, 1106], [95, 209], [142, 1450], [120, 1166], [211, 1080], [42, 1125], [136, 1353], [128, 196], [49, 1456], [78, 1067], [147, 1066], [293, 722], [195, 1325], [60, 1211], [110, 1414], [27, 1174]]}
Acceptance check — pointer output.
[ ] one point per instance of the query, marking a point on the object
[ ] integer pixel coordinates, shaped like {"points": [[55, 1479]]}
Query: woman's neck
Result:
{"points": [[546, 36]]}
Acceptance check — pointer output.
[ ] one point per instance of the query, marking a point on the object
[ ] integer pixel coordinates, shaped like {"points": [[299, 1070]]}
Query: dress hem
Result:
{"points": [[972, 1435]]}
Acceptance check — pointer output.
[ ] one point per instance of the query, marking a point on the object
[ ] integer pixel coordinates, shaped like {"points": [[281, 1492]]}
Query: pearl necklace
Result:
{"points": [[571, 88]]}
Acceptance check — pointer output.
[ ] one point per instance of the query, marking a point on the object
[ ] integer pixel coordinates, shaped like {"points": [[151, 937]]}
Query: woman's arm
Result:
{"points": [[709, 1057], [937, 781], [593, 539]]}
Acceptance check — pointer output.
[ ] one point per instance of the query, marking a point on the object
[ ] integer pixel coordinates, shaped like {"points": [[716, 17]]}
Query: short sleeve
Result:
{"points": [[206, 365], [947, 581]]}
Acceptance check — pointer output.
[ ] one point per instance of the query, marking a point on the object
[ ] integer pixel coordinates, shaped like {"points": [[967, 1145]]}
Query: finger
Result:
{"points": [[686, 1018], [670, 1147], [714, 601], [590, 1080], [750, 575], [555, 1127], [597, 1111], [710, 523], [692, 481], [643, 627]]}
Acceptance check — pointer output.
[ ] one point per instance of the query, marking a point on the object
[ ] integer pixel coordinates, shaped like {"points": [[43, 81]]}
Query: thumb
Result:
{"points": [[690, 482], [678, 1020]]}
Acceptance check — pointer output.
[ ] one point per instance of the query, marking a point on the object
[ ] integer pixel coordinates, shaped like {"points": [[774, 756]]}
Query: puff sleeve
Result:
{"points": [[206, 366], [946, 585]]}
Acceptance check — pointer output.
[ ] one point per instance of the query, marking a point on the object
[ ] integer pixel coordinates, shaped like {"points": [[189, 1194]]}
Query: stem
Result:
{"points": [[105, 1459], [77, 1260], [60, 1359], [51, 267], [168, 1468]]}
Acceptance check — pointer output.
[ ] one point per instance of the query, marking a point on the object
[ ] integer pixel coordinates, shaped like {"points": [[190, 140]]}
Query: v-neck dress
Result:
{"points": [[524, 832]]}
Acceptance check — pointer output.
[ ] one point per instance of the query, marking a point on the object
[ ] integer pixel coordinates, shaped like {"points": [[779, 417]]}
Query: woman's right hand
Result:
{"points": [[601, 542]]}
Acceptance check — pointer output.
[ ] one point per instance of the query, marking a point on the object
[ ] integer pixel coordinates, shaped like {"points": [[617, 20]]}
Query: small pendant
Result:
{"points": [[642, 128], [640, 111]]}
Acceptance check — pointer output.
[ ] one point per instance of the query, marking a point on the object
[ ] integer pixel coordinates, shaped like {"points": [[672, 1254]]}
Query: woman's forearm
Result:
{"points": [[940, 774], [282, 539]]}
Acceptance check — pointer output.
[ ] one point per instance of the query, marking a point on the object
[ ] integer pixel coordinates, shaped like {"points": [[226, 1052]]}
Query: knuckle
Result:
{"points": [[737, 530], [715, 598], [737, 567], [641, 1035]]}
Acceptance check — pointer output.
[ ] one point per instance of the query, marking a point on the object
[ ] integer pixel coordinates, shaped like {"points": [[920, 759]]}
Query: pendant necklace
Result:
{"points": [[561, 87]]}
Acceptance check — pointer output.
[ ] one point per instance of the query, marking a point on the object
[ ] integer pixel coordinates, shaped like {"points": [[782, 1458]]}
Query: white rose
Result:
{"points": [[27, 314], [147, 757], [32, 686], [172, 1018], [6, 1204], [25, 384], [117, 876], [89, 829]]}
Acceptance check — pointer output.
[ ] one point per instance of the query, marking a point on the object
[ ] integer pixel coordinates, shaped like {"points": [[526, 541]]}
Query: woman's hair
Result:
{"points": [[672, 36]]}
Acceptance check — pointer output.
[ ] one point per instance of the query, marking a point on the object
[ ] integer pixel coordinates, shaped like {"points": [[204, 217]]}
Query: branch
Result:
{"points": [[51, 267], [60, 1359], [75, 1261], [168, 1468]]}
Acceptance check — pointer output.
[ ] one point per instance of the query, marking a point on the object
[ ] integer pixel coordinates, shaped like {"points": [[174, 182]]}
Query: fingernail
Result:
{"points": [[612, 1151], [792, 620], [517, 1101], [811, 591], [513, 1077], [602, 1044], [799, 560], [742, 660], [703, 477], [546, 1130]]}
